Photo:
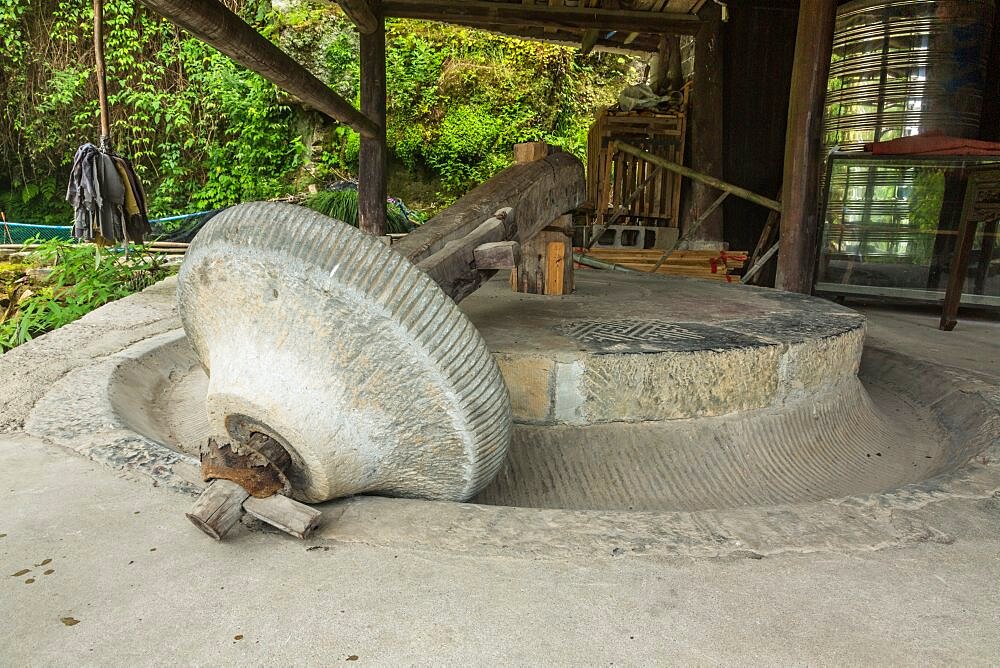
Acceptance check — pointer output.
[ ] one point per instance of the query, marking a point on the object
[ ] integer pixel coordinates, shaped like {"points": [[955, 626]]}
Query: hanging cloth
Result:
{"points": [[97, 193], [136, 218]]}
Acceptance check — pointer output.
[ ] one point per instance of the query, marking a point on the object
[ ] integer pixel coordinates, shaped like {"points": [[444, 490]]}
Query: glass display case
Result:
{"points": [[892, 227]]}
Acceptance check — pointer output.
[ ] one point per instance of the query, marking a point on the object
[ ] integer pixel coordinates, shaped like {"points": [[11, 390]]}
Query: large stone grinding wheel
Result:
{"points": [[346, 354]]}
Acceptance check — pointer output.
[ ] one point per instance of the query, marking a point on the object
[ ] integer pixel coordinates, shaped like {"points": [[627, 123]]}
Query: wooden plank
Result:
{"points": [[555, 263], [605, 188], [292, 517]]}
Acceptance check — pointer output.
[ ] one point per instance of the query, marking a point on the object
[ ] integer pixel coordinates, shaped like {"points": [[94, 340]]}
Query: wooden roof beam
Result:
{"points": [[477, 12], [363, 14], [642, 46], [214, 24]]}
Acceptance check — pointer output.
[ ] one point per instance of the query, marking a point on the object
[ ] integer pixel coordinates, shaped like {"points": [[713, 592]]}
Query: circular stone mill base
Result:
{"points": [[663, 413]]}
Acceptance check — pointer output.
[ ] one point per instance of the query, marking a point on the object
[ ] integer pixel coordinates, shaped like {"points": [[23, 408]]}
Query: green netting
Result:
{"points": [[18, 233]]}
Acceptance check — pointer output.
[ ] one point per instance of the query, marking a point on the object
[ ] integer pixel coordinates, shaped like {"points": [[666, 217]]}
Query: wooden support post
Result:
{"points": [[665, 72], [803, 153], [214, 24], [706, 125], [546, 266], [373, 158], [589, 41]]}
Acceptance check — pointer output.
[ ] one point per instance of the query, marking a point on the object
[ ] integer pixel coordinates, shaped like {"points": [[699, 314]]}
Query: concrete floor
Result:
{"points": [[146, 588]]}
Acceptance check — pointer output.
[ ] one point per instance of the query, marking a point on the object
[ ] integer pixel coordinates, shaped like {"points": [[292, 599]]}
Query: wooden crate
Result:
{"points": [[611, 182]]}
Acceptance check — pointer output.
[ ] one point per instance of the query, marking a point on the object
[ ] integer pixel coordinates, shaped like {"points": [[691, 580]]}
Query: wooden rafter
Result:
{"points": [[211, 22], [479, 13], [362, 14]]}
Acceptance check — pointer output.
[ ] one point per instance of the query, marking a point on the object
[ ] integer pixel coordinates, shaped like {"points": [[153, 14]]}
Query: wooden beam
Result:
{"points": [[211, 22], [497, 255], [665, 73], [614, 44], [373, 158], [803, 153], [362, 14], [502, 13], [538, 192], [706, 126]]}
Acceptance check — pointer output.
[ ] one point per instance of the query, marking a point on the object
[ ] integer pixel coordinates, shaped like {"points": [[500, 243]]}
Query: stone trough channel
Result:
{"points": [[651, 414]]}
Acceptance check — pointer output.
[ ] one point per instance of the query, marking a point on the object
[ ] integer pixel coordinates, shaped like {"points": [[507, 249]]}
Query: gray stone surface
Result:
{"points": [[143, 587], [903, 578], [806, 430], [29, 370], [627, 347]]}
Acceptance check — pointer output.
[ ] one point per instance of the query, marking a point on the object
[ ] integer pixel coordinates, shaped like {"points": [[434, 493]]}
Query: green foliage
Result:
{"points": [[206, 133], [83, 278], [342, 205], [202, 131], [460, 98]]}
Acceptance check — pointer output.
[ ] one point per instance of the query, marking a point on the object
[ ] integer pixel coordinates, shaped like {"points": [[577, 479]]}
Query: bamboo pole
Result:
{"points": [[101, 71], [743, 193]]}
